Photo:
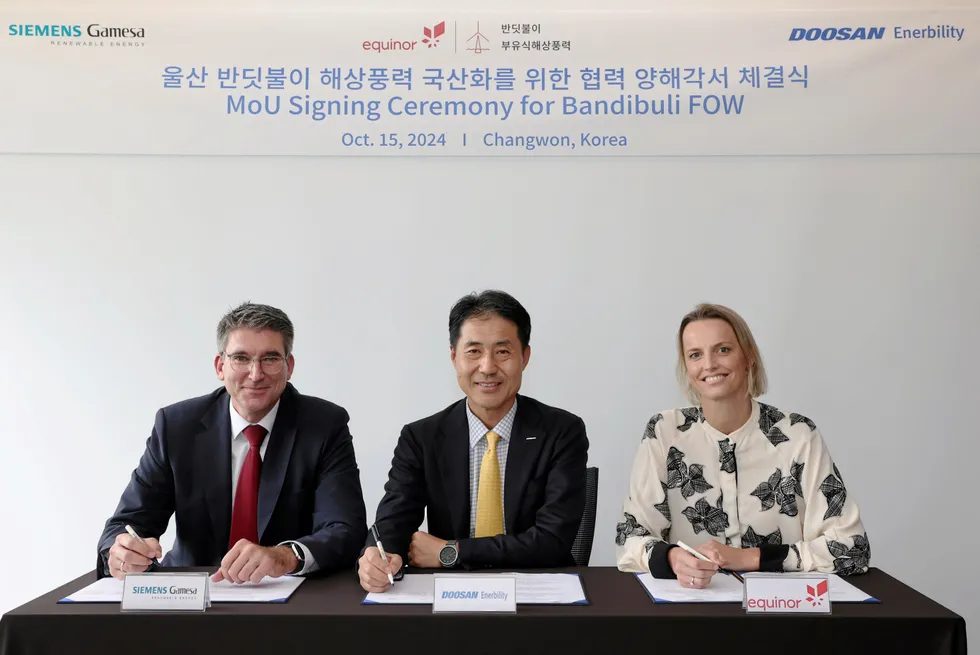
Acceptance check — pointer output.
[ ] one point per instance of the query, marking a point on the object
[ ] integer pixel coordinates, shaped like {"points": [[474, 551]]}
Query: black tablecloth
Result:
{"points": [[326, 615]]}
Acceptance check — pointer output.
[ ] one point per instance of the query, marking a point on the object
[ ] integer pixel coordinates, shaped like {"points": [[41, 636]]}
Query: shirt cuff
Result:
{"points": [[771, 557], [309, 563], [658, 563]]}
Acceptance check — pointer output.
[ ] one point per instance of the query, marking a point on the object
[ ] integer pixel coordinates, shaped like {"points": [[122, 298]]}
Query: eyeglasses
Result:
{"points": [[270, 364]]}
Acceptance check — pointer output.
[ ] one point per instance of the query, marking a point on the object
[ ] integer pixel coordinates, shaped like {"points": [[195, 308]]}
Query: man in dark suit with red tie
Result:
{"points": [[262, 480]]}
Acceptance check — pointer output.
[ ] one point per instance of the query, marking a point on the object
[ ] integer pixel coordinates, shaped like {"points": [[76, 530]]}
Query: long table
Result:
{"points": [[326, 615]]}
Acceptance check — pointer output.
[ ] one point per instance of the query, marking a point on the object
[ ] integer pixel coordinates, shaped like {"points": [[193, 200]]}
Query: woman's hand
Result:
{"points": [[691, 572], [733, 559]]}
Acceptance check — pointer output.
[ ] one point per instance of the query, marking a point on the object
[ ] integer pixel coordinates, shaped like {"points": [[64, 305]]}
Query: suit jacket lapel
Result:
{"points": [[454, 460], [276, 460], [213, 463], [522, 455]]}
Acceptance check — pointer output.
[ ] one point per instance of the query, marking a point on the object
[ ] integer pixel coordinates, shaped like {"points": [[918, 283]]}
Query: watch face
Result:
{"points": [[447, 556]]}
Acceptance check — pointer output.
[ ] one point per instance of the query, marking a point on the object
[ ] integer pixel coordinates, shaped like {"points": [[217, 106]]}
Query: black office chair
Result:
{"points": [[582, 546]]}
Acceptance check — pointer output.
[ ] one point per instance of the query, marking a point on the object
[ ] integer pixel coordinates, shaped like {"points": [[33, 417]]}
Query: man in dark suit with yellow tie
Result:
{"points": [[262, 480], [501, 476]]}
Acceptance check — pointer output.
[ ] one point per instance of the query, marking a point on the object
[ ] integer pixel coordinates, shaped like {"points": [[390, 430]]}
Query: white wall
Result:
{"points": [[856, 275]]}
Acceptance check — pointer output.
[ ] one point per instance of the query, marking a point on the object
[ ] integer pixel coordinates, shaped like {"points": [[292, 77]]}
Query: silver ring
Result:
{"points": [[122, 564], [692, 580]]}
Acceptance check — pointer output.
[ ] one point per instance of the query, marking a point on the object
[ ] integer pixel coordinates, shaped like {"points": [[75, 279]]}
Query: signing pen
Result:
{"points": [[702, 557], [384, 556], [132, 533]]}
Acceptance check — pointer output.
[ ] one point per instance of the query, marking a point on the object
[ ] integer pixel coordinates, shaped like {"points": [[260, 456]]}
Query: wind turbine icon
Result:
{"points": [[480, 41]]}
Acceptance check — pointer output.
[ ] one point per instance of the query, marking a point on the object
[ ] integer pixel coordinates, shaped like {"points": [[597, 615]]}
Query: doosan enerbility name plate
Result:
{"points": [[474, 593]]}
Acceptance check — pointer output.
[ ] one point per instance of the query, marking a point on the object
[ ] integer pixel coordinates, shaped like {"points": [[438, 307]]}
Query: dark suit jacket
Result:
{"points": [[544, 488], [309, 490]]}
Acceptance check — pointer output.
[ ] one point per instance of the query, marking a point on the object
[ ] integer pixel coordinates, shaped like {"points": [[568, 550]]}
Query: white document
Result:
{"points": [[550, 589], [726, 589], [532, 589], [269, 590], [410, 590]]}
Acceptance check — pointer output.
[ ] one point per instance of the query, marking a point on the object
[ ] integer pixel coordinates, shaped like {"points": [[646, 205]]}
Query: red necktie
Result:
{"points": [[244, 517]]}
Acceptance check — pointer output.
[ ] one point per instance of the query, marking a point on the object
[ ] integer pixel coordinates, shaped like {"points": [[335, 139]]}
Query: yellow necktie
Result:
{"points": [[489, 506]]}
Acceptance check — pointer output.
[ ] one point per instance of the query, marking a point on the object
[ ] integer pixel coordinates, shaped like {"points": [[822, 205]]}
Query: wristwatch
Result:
{"points": [[300, 557], [449, 555]]}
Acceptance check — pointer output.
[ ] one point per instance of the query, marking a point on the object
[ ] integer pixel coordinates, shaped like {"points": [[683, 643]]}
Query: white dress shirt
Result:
{"points": [[239, 449], [478, 448]]}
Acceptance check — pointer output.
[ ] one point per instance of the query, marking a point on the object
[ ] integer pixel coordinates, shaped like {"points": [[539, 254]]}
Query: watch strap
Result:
{"points": [[300, 557]]}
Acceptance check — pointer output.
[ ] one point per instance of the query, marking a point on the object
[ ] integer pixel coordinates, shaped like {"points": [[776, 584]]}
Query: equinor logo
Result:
{"points": [[432, 35], [431, 40], [817, 595], [765, 604]]}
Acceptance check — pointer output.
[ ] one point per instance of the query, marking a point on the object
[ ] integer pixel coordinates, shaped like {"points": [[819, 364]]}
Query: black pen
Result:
{"points": [[384, 556], [734, 574]]}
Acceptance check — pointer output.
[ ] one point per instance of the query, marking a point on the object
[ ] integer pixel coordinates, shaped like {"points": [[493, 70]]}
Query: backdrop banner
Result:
{"points": [[560, 83]]}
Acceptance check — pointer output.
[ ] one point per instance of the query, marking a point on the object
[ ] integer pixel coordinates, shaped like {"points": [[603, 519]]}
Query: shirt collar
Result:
{"points": [[238, 424], [735, 436], [478, 430]]}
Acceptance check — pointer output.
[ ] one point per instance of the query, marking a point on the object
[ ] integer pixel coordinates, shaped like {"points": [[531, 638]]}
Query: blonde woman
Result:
{"points": [[751, 487]]}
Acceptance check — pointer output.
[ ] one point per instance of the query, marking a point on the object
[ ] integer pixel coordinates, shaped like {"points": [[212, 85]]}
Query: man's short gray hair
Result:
{"points": [[256, 317]]}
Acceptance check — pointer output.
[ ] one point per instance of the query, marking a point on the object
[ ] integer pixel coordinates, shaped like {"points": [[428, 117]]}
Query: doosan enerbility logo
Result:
{"points": [[943, 32], [470, 594], [837, 34]]}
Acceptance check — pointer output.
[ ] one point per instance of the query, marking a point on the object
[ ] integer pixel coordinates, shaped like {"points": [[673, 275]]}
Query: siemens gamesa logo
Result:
{"points": [[837, 34], [93, 35], [172, 590], [48, 31], [94, 30]]}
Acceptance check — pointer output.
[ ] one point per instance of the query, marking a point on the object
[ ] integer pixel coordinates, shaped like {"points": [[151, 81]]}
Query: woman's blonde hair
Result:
{"points": [[758, 382]]}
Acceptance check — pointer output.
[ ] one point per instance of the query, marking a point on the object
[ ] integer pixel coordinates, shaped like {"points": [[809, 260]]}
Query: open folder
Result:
{"points": [[726, 589], [269, 590], [532, 589]]}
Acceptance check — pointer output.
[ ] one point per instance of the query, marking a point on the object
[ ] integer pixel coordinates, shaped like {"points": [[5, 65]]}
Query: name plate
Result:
{"points": [[166, 592], [786, 593], [474, 593]]}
